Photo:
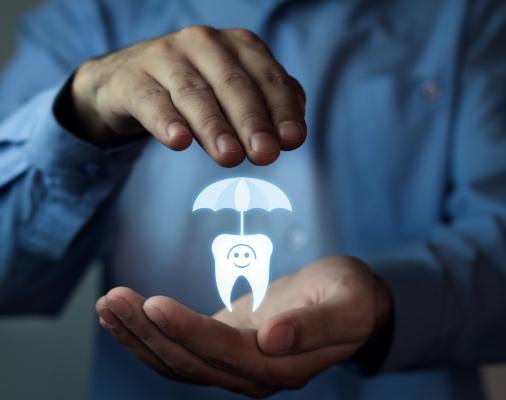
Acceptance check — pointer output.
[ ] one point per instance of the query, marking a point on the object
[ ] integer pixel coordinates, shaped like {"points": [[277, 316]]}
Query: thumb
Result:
{"points": [[311, 328]]}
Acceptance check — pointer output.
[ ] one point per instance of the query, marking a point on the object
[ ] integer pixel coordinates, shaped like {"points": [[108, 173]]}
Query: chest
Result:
{"points": [[373, 172]]}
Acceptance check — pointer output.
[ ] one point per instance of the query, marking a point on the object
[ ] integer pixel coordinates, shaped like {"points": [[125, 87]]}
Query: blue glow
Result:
{"points": [[242, 194]]}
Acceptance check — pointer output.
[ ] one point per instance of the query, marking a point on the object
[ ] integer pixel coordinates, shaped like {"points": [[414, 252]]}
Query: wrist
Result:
{"points": [[73, 112]]}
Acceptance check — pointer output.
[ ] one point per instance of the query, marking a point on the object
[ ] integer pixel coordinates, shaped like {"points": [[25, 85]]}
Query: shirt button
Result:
{"points": [[431, 89], [297, 238]]}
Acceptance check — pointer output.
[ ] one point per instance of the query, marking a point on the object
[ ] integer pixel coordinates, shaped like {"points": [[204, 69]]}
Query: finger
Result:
{"points": [[235, 350], [106, 314], [309, 328], [195, 100], [150, 104], [237, 94], [230, 349], [128, 306], [283, 94], [116, 328]]}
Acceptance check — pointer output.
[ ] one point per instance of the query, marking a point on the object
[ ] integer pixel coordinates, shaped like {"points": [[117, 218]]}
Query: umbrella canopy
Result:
{"points": [[242, 194]]}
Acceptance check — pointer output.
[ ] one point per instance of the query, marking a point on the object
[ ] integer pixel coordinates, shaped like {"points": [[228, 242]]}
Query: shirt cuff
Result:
{"points": [[54, 149], [71, 179]]}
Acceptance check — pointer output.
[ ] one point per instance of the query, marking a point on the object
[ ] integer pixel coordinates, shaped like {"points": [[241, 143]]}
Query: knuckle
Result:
{"points": [[236, 80], [85, 78], [247, 36], [212, 122], [275, 77], [161, 46], [189, 84], [252, 117], [149, 93], [251, 40], [198, 32]]}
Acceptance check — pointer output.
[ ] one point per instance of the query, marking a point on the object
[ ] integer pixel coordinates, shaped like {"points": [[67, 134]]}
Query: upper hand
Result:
{"points": [[309, 321], [222, 87]]}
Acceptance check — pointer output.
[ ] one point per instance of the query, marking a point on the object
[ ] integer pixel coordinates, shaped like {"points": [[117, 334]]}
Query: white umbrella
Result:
{"points": [[242, 194]]}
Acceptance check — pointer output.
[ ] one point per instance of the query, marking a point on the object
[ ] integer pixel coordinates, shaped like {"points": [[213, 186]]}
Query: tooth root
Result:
{"points": [[259, 289], [225, 282]]}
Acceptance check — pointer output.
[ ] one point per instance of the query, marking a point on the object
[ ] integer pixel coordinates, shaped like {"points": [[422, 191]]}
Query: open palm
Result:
{"points": [[310, 320]]}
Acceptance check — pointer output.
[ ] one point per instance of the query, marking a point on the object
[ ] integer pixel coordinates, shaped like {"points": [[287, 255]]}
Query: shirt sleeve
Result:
{"points": [[56, 190], [449, 291]]}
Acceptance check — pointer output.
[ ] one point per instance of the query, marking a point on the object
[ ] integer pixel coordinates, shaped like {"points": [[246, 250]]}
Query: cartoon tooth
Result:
{"points": [[242, 255]]}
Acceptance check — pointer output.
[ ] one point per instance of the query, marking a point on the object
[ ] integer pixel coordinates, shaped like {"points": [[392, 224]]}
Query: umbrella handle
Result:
{"points": [[242, 223]]}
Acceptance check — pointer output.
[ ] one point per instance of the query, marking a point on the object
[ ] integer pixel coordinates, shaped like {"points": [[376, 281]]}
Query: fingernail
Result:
{"points": [[262, 142], [155, 315], [119, 307], [291, 131], [176, 130], [281, 339], [226, 143]]}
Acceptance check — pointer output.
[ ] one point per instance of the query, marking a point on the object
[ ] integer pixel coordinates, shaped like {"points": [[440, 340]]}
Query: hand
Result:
{"points": [[222, 87], [308, 322], [334, 301]]}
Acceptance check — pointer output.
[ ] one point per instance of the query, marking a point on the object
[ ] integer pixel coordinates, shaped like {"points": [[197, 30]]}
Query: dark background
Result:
{"points": [[50, 358]]}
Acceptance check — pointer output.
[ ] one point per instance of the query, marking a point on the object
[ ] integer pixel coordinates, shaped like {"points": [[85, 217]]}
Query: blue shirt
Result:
{"points": [[404, 167]]}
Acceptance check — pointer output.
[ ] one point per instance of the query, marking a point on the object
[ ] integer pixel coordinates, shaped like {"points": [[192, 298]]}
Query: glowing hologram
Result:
{"points": [[251, 193], [242, 255]]}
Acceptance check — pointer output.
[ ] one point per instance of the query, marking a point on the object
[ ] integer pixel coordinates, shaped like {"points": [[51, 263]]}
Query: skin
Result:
{"points": [[222, 88], [309, 321]]}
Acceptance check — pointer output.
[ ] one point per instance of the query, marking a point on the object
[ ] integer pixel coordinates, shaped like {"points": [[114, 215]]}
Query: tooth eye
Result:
{"points": [[236, 255], [246, 255]]}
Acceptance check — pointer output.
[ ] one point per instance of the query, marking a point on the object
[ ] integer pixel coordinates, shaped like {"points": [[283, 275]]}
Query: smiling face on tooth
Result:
{"points": [[241, 255]]}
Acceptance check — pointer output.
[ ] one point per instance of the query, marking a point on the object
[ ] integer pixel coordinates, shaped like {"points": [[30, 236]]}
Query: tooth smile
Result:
{"points": [[242, 255], [242, 266]]}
